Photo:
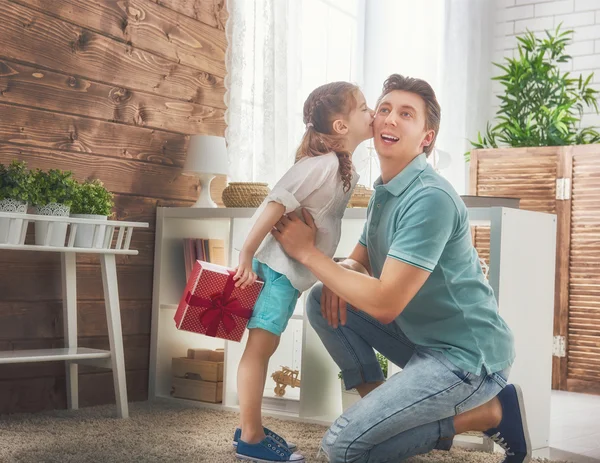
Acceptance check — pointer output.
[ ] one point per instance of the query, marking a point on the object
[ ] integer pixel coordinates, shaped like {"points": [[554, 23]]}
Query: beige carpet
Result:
{"points": [[157, 433]]}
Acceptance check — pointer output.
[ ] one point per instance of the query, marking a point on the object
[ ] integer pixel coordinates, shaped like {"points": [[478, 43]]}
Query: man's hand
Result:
{"points": [[331, 306], [296, 237]]}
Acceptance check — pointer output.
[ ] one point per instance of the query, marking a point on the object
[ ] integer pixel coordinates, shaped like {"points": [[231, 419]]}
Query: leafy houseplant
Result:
{"points": [[15, 182], [383, 362], [91, 200], [541, 105], [53, 187], [15, 194], [52, 194]]}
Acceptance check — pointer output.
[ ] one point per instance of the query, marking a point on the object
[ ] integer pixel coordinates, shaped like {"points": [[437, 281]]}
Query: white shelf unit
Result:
{"points": [[521, 273], [231, 225], [73, 355]]}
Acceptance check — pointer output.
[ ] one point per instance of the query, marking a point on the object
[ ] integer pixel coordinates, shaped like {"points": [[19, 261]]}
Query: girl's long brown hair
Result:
{"points": [[322, 107]]}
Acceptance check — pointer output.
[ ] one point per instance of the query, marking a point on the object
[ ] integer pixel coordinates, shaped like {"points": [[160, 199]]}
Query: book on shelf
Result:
{"points": [[207, 250]]}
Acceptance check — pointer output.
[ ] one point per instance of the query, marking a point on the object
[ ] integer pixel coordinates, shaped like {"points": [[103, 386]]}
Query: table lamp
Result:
{"points": [[206, 157]]}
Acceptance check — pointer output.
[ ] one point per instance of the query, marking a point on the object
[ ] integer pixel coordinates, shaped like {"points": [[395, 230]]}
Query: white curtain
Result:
{"points": [[465, 85], [279, 51], [262, 84]]}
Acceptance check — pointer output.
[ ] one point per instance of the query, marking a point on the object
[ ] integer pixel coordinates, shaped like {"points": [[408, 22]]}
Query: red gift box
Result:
{"points": [[212, 305]]}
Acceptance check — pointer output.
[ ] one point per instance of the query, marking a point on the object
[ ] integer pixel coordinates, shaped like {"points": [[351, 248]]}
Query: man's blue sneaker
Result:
{"points": [[266, 451], [512, 434], [238, 433]]}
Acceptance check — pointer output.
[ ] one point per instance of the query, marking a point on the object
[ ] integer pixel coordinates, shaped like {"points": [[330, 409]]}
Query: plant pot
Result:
{"points": [[10, 229], [84, 238], [59, 229], [349, 398]]}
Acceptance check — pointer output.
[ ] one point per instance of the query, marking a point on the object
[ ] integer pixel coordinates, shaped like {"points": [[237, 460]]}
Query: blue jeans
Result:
{"points": [[412, 412]]}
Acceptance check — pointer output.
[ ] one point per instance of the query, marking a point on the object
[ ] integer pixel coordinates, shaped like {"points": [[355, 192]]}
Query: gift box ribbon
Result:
{"points": [[221, 308]]}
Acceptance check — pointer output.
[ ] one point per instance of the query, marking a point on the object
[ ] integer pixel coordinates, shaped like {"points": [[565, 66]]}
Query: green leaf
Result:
{"points": [[540, 105]]}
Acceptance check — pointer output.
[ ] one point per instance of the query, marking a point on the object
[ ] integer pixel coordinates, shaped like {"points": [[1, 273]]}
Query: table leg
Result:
{"points": [[115, 334]]}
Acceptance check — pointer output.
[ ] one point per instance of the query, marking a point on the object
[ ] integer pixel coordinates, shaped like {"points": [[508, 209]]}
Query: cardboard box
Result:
{"points": [[199, 370], [205, 391], [217, 355]]}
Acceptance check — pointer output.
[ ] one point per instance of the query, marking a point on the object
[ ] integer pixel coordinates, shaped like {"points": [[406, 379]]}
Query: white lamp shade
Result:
{"points": [[207, 154]]}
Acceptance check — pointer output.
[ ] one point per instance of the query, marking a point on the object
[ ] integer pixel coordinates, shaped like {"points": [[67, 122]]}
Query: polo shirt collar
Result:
{"points": [[403, 179]]}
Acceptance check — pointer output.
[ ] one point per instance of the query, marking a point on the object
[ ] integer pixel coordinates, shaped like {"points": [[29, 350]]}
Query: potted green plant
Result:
{"points": [[541, 105], [91, 200], [15, 194], [350, 397], [52, 195]]}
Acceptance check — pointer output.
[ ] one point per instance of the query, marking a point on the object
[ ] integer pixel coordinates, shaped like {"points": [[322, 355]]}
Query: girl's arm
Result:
{"points": [[264, 224], [297, 184]]}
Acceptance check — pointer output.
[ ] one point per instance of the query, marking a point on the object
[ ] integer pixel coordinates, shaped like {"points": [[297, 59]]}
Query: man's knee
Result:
{"points": [[313, 305], [341, 447]]}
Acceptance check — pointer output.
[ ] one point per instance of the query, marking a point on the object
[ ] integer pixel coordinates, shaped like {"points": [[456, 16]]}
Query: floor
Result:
{"points": [[574, 428]]}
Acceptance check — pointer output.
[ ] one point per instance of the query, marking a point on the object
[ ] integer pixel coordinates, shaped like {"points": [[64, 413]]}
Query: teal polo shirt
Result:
{"points": [[418, 218]]}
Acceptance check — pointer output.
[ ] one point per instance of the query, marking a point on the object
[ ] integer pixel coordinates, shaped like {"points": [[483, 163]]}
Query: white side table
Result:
{"points": [[72, 354]]}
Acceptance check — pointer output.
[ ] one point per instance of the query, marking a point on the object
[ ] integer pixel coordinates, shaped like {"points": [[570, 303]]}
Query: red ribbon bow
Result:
{"points": [[221, 309]]}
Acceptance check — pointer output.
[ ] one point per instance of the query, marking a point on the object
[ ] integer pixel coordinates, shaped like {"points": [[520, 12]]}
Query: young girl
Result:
{"points": [[322, 179]]}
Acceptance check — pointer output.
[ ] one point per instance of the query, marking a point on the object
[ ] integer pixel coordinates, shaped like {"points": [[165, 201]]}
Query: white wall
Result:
{"points": [[513, 17], [404, 37], [465, 85]]}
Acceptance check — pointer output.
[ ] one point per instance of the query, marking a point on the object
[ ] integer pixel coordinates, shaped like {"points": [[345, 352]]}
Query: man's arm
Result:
{"points": [[383, 298], [358, 260]]}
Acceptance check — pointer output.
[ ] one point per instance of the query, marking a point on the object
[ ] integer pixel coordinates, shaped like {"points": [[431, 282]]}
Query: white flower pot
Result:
{"points": [[84, 237], [10, 229], [349, 398], [59, 229]]}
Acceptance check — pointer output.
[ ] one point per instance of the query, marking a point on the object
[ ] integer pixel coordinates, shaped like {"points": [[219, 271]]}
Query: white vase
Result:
{"points": [[10, 229], [84, 237], [349, 398], [59, 229]]}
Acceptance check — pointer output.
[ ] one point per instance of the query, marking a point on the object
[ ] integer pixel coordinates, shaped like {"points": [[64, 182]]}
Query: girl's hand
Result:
{"points": [[244, 275]]}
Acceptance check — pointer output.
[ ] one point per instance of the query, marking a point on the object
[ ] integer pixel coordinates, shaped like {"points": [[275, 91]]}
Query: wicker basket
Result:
{"points": [[245, 194], [360, 197]]}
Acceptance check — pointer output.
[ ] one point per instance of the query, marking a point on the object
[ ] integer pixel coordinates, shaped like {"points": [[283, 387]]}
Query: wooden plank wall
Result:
{"points": [[583, 356], [108, 89], [531, 174], [528, 174]]}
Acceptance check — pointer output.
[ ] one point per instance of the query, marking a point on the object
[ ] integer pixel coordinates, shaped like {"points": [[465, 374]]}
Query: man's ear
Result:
{"points": [[428, 138], [340, 127]]}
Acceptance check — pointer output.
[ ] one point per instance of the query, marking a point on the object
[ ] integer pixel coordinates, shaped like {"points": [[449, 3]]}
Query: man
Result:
{"points": [[412, 289]]}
